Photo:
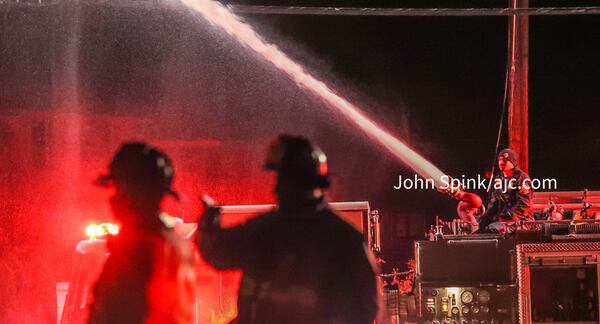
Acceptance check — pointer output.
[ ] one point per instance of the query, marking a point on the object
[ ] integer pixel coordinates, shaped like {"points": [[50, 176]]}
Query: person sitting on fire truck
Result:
{"points": [[510, 198], [149, 276]]}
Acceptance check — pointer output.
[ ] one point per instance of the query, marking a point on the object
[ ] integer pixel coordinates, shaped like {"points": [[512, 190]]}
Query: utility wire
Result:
{"points": [[334, 11], [447, 12]]}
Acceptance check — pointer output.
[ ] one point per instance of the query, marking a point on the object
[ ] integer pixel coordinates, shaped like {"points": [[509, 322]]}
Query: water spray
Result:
{"points": [[220, 16]]}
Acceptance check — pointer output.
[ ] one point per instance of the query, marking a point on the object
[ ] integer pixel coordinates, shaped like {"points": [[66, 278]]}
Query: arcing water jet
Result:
{"points": [[221, 17]]}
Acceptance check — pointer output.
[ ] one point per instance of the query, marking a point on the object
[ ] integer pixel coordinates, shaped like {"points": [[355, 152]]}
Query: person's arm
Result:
{"points": [[520, 208], [226, 248]]}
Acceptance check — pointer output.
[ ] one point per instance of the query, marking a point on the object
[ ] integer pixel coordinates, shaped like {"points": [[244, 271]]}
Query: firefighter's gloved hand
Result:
{"points": [[506, 216], [211, 218]]}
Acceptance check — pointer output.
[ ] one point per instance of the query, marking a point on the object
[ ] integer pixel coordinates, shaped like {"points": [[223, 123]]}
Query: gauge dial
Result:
{"points": [[466, 297]]}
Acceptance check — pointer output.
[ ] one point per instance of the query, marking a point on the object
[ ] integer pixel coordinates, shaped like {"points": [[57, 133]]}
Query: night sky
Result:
{"points": [[448, 73], [437, 82]]}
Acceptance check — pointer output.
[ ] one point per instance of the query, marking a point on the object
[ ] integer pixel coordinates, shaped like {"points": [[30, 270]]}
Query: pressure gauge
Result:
{"points": [[466, 297]]}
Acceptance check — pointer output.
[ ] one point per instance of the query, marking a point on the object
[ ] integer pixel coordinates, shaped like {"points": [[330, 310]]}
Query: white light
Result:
{"points": [[95, 230]]}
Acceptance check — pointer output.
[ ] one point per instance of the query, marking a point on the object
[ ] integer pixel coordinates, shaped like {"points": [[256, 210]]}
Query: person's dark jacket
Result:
{"points": [[509, 203], [306, 266]]}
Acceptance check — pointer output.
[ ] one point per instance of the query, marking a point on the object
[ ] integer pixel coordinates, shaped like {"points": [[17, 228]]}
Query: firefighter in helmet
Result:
{"points": [[301, 262], [149, 276]]}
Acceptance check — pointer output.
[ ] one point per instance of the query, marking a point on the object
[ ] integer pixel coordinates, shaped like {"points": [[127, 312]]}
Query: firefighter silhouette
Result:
{"points": [[149, 276], [301, 262]]}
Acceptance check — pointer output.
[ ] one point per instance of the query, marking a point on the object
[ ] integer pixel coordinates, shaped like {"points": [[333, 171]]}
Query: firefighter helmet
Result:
{"points": [[295, 159], [138, 167]]}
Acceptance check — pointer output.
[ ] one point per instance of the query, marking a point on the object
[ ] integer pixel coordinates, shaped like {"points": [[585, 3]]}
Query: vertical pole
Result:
{"points": [[518, 115]]}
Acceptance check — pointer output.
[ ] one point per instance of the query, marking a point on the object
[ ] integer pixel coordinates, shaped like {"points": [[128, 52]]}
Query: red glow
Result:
{"points": [[323, 169], [50, 182]]}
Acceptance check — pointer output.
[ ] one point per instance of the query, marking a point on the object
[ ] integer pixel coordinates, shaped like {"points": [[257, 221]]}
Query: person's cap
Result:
{"points": [[510, 155]]}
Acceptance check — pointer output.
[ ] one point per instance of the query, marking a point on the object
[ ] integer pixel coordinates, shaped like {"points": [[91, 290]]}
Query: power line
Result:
{"points": [[332, 11], [418, 12]]}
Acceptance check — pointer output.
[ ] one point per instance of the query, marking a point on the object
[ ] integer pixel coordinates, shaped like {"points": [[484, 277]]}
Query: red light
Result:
{"points": [[323, 168]]}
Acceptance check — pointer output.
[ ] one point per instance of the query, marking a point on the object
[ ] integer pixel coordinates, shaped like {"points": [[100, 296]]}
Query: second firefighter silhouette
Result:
{"points": [[150, 274], [301, 262]]}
